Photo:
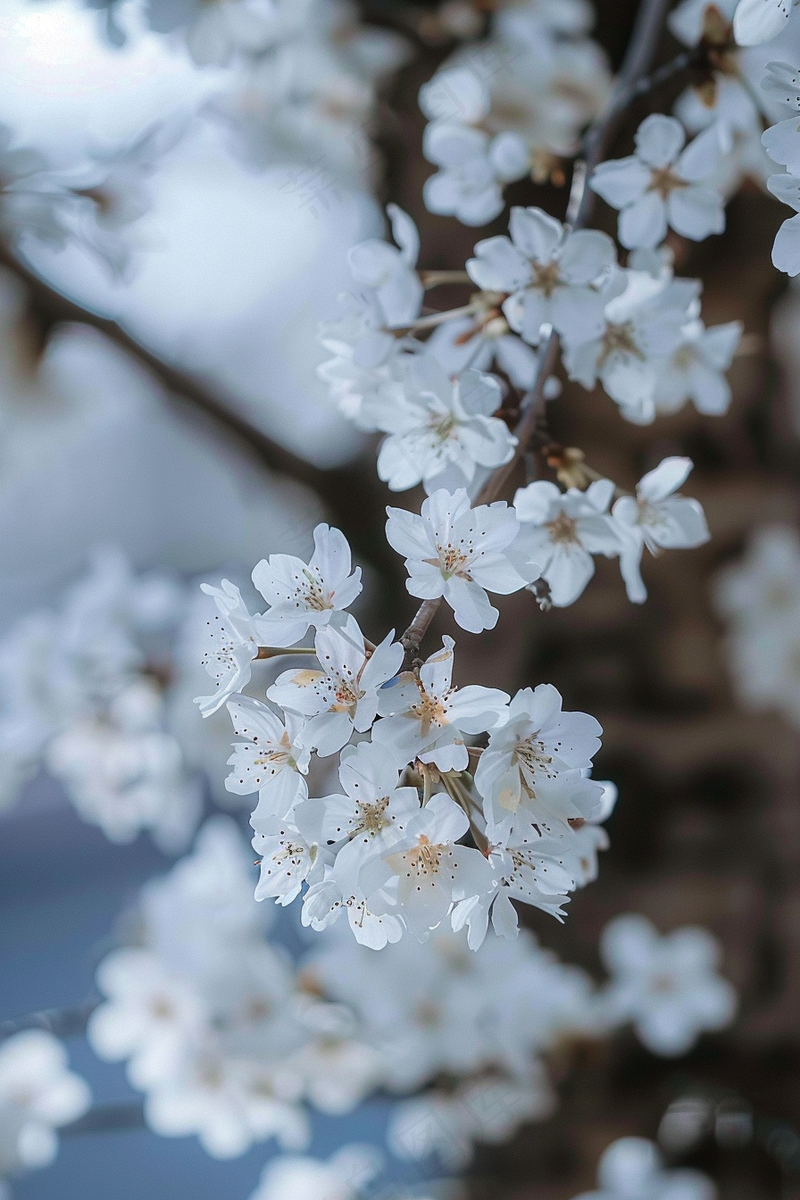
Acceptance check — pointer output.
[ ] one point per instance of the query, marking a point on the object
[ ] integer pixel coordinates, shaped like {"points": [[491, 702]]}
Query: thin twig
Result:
{"points": [[279, 651], [61, 1022]]}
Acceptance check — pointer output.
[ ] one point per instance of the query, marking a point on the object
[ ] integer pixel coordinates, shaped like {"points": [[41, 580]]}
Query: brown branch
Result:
{"points": [[641, 49], [51, 309]]}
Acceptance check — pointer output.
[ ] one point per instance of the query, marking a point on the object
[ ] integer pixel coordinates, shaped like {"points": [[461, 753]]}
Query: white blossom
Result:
{"points": [[303, 595], [644, 323], [298, 1177], [426, 717], [38, 1093], [272, 760], [663, 184], [235, 636], [564, 530], [632, 1167], [658, 519], [786, 248], [534, 761], [782, 140], [695, 369], [440, 430], [480, 341], [432, 870], [549, 273], [343, 694], [460, 553], [668, 987]]}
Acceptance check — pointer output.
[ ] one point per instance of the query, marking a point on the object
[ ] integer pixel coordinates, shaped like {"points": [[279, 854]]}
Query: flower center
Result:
{"points": [[312, 594], [619, 339], [546, 276], [664, 181], [371, 818], [442, 427], [424, 858], [563, 530]]}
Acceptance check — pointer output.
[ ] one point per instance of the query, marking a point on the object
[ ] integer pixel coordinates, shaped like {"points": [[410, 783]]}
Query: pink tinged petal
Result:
{"points": [[577, 313], [568, 573], [585, 255], [621, 181], [643, 223], [786, 250], [666, 478], [471, 606], [757, 21], [498, 266], [535, 233], [659, 140], [696, 212]]}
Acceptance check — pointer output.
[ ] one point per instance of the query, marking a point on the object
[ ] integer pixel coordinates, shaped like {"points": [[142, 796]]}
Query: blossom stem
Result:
{"points": [[433, 319], [277, 651], [410, 641], [431, 279]]}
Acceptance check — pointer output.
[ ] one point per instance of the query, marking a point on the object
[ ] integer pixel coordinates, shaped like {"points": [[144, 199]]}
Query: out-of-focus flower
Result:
{"points": [[668, 987], [631, 1168]]}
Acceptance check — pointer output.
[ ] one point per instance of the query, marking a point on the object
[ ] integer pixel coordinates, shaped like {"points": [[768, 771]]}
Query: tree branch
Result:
{"points": [[61, 1022], [641, 49]]}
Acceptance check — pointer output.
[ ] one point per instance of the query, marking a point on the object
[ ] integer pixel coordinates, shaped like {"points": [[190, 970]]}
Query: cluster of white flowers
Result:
{"points": [[636, 330], [84, 694], [231, 1039], [349, 1174], [38, 1094], [510, 106], [632, 1167], [759, 597], [388, 848]]}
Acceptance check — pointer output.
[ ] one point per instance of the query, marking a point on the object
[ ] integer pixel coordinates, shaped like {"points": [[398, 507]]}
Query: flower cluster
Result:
{"points": [[782, 144], [84, 693], [510, 106], [38, 1093], [232, 1039], [388, 847], [760, 599]]}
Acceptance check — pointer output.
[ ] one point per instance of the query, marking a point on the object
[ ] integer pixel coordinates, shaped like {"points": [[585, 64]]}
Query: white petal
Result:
{"points": [[757, 21], [620, 181], [664, 479], [535, 233], [695, 212], [786, 250], [659, 140], [643, 223], [457, 94], [498, 266], [586, 254]]}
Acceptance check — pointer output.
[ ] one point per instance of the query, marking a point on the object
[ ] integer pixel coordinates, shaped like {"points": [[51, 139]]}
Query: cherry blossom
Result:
{"points": [[644, 322], [695, 369], [304, 595], [440, 430], [564, 530], [343, 694], [298, 1177], [667, 986], [235, 637], [272, 760], [460, 553], [531, 756], [663, 184], [286, 859], [657, 519], [426, 717], [38, 1093], [632, 1167], [433, 871], [469, 342], [548, 272]]}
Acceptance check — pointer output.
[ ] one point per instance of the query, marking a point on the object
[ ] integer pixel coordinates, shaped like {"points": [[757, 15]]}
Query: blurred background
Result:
{"points": [[167, 405]]}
